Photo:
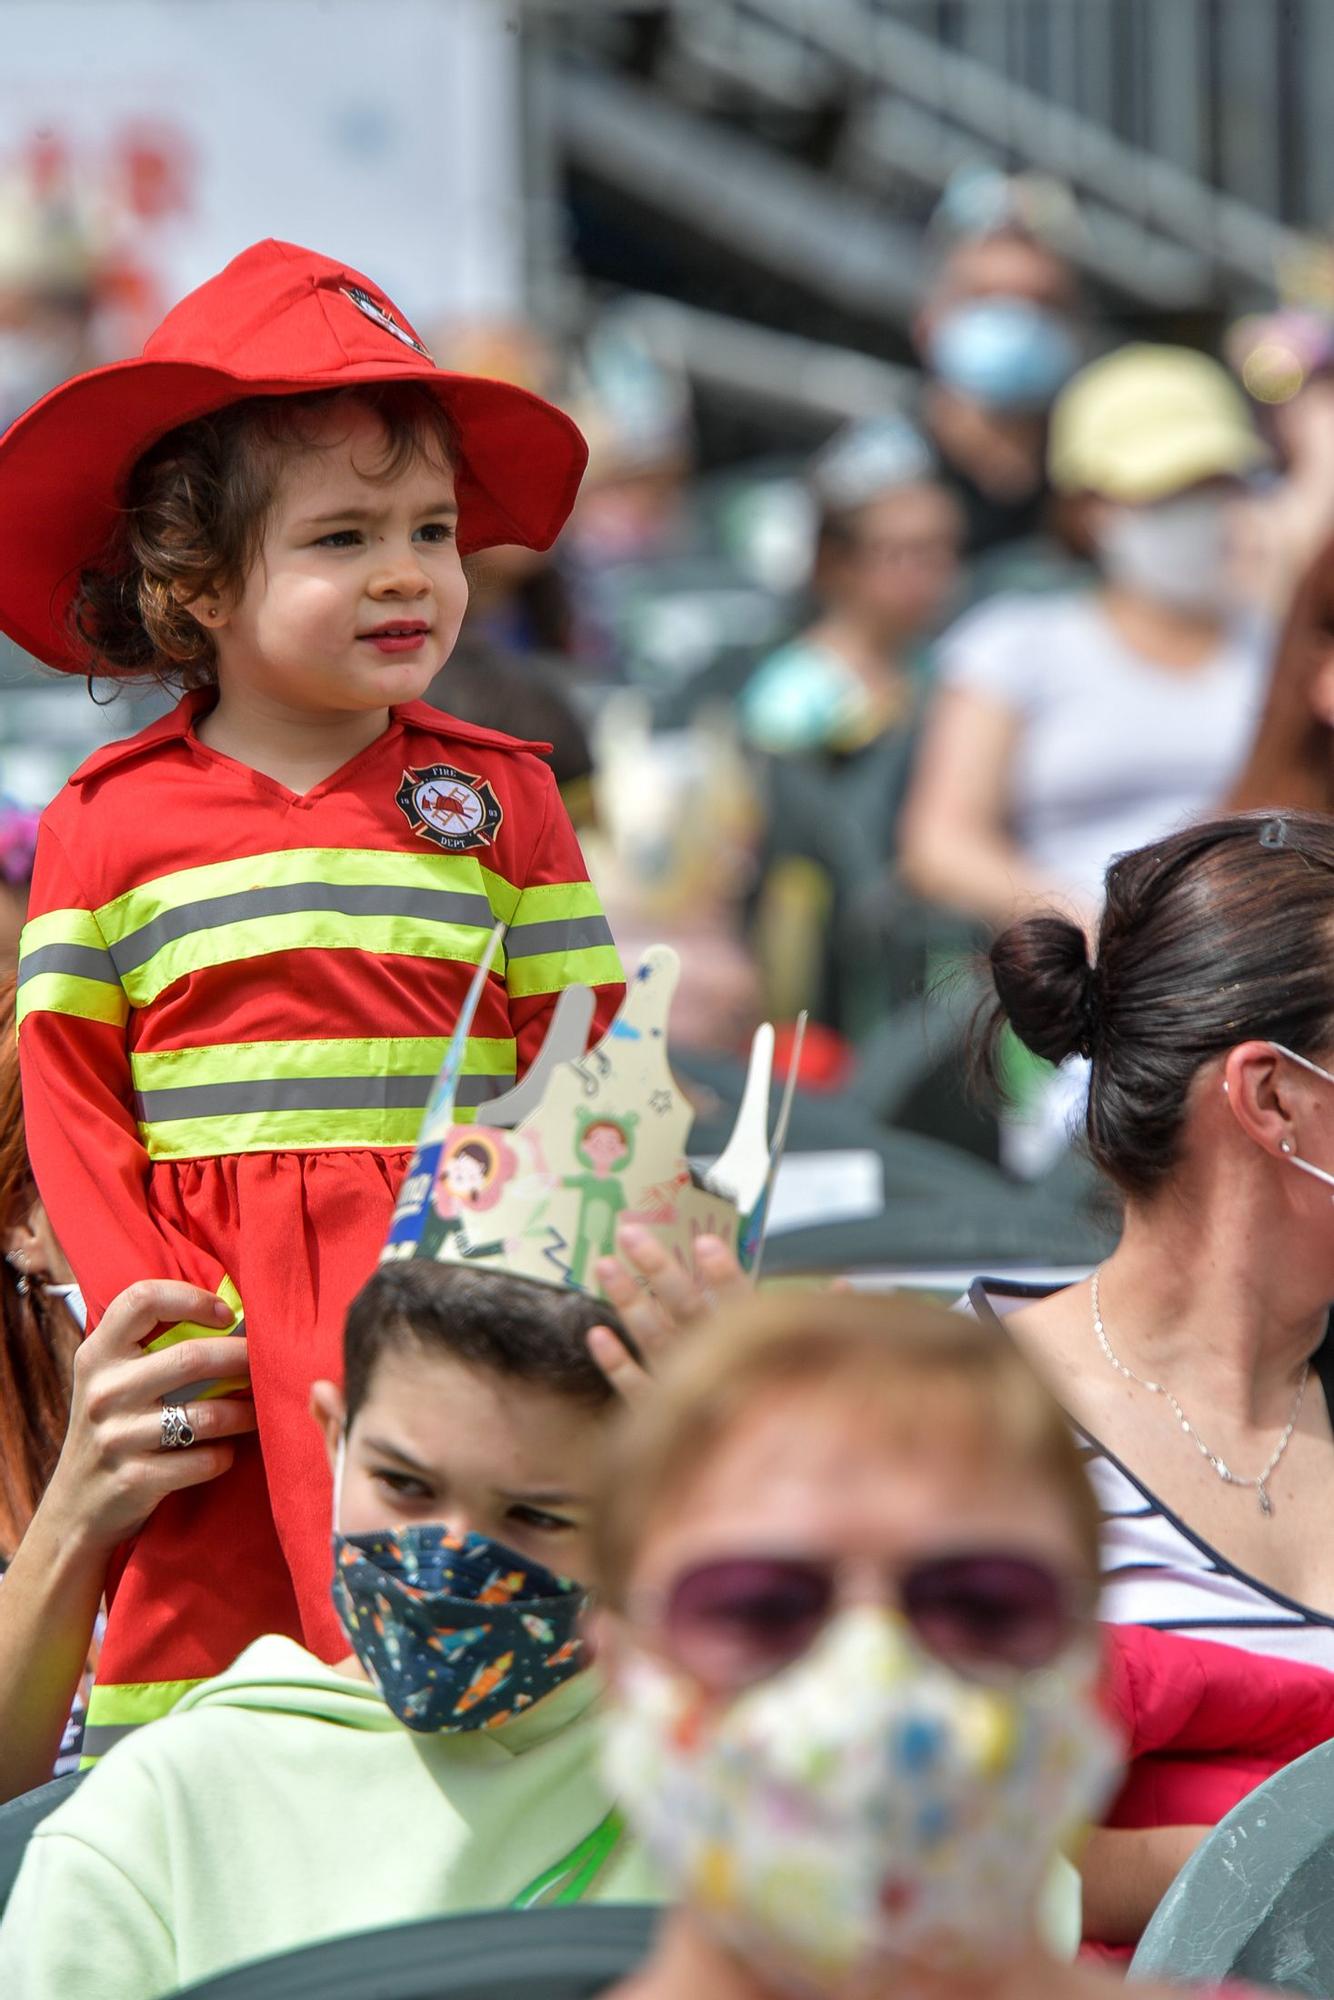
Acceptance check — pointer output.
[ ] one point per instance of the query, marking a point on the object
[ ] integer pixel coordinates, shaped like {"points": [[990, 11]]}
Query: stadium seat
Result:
{"points": [[1255, 1902], [19, 1818], [570, 1954]]}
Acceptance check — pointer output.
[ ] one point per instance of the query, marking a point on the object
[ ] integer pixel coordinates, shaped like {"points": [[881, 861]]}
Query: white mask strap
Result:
{"points": [[75, 1303], [340, 1460], [1316, 1173], [1305, 1061], [1295, 1159]]}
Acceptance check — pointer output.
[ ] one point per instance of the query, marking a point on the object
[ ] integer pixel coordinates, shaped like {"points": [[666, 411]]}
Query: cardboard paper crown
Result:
{"points": [[538, 1184]]}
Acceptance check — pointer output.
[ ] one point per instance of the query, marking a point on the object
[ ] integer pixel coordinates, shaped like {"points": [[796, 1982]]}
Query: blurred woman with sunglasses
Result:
{"points": [[847, 1563], [1196, 1364]]}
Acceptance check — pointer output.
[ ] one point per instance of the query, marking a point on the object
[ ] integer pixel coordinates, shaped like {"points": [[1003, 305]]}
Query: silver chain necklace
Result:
{"points": [[1224, 1472]]}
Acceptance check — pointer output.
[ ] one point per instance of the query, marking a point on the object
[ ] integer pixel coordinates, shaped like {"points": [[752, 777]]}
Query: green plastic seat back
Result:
{"points": [[1255, 1902], [558, 1954]]}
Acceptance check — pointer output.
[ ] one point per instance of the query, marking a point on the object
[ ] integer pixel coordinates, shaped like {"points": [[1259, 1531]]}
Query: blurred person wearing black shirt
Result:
{"points": [[999, 333]]}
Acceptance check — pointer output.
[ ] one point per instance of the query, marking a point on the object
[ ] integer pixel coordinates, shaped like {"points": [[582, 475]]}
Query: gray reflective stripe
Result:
{"points": [[99, 1737], [557, 934], [86, 961], [440, 906], [308, 1093]]}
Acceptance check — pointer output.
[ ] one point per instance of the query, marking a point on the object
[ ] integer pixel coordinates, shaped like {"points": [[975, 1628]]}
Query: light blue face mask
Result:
{"points": [[1005, 353]]}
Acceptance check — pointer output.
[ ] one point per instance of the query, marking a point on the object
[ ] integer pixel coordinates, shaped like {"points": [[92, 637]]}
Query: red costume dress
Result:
{"points": [[233, 1002]]}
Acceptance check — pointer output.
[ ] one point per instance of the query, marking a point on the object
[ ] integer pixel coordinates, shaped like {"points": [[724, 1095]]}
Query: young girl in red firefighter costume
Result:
{"points": [[252, 925]]}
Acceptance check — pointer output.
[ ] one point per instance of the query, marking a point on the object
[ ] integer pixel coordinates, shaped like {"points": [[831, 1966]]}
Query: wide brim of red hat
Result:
{"points": [[65, 462]]}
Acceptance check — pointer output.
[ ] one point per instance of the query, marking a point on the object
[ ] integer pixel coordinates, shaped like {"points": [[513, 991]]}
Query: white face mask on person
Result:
{"points": [[865, 1804], [1176, 554]]}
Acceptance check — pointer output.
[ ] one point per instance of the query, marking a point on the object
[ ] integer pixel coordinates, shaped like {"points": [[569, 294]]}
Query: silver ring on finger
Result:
{"points": [[177, 1430]]}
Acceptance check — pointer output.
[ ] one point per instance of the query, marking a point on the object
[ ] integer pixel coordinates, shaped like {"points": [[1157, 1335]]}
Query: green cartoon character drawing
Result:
{"points": [[605, 1146]]}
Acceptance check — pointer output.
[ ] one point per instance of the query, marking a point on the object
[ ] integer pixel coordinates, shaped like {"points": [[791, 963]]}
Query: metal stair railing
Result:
{"points": [[926, 106]]}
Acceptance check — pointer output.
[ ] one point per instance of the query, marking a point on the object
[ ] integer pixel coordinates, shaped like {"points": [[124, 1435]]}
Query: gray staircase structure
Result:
{"points": [[811, 138]]}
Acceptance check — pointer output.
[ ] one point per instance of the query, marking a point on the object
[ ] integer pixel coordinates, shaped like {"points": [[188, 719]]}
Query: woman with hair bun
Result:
{"points": [[1196, 1363]]}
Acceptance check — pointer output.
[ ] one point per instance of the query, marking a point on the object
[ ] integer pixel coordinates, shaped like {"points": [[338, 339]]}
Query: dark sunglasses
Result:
{"points": [[741, 1618]]}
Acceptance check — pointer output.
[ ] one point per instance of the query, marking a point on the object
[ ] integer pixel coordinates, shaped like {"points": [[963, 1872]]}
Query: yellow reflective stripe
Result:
{"points": [[549, 971], [67, 993], [65, 968], [60, 927], [285, 1132], [275, 1096], [116, 1709], [548, 902], [241, 1062], [189, 1329], [502, 894], [324, 930], [312, 898], [351, 867]]}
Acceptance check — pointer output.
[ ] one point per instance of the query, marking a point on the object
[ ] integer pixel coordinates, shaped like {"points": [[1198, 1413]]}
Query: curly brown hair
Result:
{"points": [[196, 507]]}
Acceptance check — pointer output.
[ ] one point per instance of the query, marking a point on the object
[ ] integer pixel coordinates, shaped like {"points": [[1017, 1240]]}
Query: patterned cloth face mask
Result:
{"points": [[866, 1804], [456, 1631]]}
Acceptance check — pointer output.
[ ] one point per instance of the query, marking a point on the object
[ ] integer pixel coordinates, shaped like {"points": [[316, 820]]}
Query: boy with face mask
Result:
{"points": [[449, 1763]]}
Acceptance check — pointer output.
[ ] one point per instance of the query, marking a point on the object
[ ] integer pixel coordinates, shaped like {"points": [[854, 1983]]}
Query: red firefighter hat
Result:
{"points": [[277, 321]]}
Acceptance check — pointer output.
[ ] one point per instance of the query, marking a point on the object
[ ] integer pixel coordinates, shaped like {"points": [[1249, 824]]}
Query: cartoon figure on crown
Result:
{"points": [[588, 1140], [603, 1144]]}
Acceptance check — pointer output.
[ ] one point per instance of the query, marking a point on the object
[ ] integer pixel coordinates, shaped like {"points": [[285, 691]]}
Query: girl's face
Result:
{"points": [[356, 596], [825, 1487]]}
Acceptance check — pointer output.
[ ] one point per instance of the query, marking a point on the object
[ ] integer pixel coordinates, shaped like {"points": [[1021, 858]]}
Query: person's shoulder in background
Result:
{"points": [[1008, 648]]}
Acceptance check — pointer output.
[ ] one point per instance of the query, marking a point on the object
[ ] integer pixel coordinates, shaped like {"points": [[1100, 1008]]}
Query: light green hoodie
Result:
{"points": [[282, 1803]]}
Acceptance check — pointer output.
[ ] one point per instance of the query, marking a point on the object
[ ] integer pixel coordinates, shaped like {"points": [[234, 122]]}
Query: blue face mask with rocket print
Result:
{"points": [[456, 1631]]}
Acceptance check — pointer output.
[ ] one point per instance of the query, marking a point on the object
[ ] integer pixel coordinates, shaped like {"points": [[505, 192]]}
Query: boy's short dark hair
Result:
{"points": [[484, 1319], [196, 508]]}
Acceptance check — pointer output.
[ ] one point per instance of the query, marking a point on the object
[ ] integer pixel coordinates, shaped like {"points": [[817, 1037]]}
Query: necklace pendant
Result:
{"points": [[1266, 1504]]}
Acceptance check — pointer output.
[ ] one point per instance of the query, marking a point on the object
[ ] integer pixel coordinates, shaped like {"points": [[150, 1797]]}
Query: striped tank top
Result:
{"points": [[1156, 1570]]}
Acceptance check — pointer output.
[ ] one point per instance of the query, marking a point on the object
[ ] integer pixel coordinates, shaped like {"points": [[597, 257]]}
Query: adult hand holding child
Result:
{"points": [[112, 1472]]}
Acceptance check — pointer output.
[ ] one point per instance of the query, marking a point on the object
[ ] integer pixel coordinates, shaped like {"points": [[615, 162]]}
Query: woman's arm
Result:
{"points": [[81, 1104], [110, 1475], [1126, 1874], [955, 846]]}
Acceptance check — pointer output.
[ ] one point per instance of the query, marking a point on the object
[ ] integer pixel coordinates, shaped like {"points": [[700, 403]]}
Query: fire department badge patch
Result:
{"points": [[454, 809]]}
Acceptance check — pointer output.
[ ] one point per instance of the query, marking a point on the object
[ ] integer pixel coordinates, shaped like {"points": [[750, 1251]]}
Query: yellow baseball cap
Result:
{"points": [[1147, 422]]}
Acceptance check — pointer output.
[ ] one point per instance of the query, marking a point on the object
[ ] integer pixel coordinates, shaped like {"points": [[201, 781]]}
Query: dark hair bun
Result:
{"points": [[1044, 982]]}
